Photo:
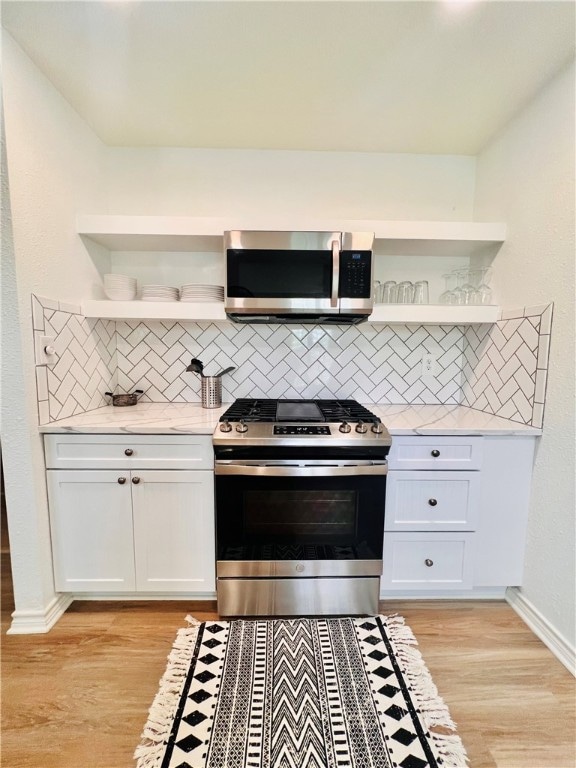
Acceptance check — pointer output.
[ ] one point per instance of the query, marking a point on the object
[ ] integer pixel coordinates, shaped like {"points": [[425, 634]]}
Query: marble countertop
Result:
{"points": [[191, 418]]}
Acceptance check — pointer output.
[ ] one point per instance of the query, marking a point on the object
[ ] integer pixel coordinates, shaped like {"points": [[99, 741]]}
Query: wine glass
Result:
{"points": [[483, 292], [467, 290], [449, 296]]}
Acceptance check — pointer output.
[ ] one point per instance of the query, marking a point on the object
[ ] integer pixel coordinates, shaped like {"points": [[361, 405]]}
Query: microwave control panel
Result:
{"points": [[355, 274]]}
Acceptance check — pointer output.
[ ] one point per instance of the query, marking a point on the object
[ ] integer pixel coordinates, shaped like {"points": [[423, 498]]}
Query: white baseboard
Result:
{"points": [[487, 593], [552, 639], [39, 622]]}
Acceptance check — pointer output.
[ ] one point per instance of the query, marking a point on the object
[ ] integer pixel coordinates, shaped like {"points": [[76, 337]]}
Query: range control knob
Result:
{"points": [[377, 427], [344, 427], [241, 426], [225, 426], [361, 428]]}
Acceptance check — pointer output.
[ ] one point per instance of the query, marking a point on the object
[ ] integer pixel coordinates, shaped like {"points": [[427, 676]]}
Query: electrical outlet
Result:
{"points": [[45, 352], [429, 364]]}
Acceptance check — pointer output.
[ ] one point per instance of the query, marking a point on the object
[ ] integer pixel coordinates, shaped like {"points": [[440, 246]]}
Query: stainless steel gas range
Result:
{"points": [[300, 497]]}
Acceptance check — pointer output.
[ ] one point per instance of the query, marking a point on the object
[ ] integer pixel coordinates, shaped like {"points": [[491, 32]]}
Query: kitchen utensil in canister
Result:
{"points": [[226, 370], [211, 391], [125, 399], [196, 366]]}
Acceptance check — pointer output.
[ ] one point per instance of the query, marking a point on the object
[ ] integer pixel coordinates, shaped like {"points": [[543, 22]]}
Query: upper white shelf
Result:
{"points": [[184, 233], [389, 314]]}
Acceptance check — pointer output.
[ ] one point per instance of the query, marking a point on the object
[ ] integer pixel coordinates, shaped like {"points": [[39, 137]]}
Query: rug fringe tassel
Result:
{"points": [[431, 706], [151, 749]]}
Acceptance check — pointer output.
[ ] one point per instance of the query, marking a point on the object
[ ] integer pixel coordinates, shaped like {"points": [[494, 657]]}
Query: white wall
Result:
{"points": [[54, 170], [195, 182], [526, 178]]}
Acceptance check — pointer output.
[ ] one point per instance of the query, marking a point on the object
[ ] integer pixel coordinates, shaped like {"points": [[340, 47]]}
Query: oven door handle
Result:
{"points": [[300, 470]]}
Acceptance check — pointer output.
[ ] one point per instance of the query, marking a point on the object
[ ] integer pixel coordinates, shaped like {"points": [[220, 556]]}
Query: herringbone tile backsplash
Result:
{"points": [[369, 363]]}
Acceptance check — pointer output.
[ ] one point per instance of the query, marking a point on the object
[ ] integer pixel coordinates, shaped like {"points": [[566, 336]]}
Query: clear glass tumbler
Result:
{"points": [[389, 291], [421, 294], [405, 292]]}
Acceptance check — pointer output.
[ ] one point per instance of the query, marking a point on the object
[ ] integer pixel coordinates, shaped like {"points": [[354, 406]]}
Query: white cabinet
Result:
{"points": [[91, 529], [132, 528], [456, 512], [174, 531]]}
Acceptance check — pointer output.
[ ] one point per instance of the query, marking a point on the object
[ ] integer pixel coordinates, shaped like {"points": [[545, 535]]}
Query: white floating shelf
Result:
{"points": [[388, 314], [433, 314], [184, 233], [154, 310]]}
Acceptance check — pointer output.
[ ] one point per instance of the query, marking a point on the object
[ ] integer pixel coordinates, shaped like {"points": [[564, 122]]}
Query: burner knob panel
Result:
{"points": [[225, 426], [377, 428], [361, 428], [344, 427], [241, 426]]}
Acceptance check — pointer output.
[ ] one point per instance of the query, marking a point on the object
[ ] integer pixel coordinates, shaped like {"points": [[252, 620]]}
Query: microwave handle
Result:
{"points": [[335, 272]]}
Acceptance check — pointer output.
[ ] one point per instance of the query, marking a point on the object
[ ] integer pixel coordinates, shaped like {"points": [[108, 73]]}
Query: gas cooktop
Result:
{"points": [[300, 422], [308, 411]]}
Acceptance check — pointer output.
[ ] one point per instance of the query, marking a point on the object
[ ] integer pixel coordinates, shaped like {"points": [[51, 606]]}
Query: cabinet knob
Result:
{"points": [[135, 480], [429, 562], [128, 451], [432, 502], [121, 480], [435, 453]]}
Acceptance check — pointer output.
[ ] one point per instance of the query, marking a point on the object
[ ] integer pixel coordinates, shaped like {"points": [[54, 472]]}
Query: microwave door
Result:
{"points": [[279, 273]]}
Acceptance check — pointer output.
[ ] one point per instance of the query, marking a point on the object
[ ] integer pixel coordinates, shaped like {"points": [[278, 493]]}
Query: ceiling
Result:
{"points": [[423, 77]]}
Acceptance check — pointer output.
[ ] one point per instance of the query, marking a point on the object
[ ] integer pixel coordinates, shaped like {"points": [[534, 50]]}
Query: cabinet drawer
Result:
{"points": [[432, 501], [435, 453], [427, 561], [129, 451]]}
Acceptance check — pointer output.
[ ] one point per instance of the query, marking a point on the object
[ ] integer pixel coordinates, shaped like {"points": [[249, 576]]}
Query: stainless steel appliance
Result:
{"points": [[298, 276], [300, 496]]}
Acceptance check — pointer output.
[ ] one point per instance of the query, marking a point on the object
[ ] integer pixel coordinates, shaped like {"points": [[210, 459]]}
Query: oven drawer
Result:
{"points": [[83, 451], [418, 452], [427, 561], [432, 501], [298, 597]]}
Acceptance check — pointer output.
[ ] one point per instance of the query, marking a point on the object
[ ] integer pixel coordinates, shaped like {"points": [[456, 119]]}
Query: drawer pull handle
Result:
{"points": [[432, 502], [429, 562], [121, 480], [435, 453], [128, 451], [135, 480]]}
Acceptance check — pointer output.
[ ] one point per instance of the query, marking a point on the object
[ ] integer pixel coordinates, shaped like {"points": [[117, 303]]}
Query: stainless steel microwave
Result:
{"points": [[298, 277]]}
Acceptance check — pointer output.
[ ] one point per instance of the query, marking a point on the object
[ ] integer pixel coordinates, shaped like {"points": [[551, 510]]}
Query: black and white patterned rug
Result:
{"points": [[300, 693]]}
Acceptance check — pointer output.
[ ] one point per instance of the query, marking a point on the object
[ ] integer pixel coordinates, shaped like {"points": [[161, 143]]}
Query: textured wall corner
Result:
{"points": [[85, 360], [506, 365]]}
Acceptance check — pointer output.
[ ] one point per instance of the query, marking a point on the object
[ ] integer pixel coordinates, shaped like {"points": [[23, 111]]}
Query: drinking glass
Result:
{"points": [[449, 296], [405, 292], [421, 295], [389, 291], [377, 292], [466, 289], [482, 293]]}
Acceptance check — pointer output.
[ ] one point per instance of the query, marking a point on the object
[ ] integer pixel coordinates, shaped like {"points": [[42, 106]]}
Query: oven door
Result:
{"points": [[284, 519]]}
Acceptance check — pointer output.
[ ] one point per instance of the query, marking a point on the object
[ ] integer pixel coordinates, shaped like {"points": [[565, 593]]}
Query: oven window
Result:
{"points": [[300, 514], [299, 519]]}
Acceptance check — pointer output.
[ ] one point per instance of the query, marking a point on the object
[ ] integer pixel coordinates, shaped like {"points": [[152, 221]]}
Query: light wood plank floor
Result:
{"points": [[78, 696]]}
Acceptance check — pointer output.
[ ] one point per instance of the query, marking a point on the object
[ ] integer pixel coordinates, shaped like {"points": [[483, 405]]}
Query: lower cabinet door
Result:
{"points": [[422, 561], [174, 530], [91, 530]]}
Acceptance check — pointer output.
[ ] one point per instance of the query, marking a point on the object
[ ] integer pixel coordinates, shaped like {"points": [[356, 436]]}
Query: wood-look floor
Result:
{"points": [[78, 696]]}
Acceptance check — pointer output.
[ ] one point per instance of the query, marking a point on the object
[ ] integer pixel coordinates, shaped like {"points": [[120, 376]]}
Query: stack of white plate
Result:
{"points": [[120, 287], [195, 292], [159, 293]]}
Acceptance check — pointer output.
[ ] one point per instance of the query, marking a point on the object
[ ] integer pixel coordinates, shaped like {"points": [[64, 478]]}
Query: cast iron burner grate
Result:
{"points": [[266, 410]]}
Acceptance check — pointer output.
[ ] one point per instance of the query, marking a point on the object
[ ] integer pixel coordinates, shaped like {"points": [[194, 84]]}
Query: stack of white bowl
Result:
{"points": [[159, 293], [120, 287], [196, 292]]}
